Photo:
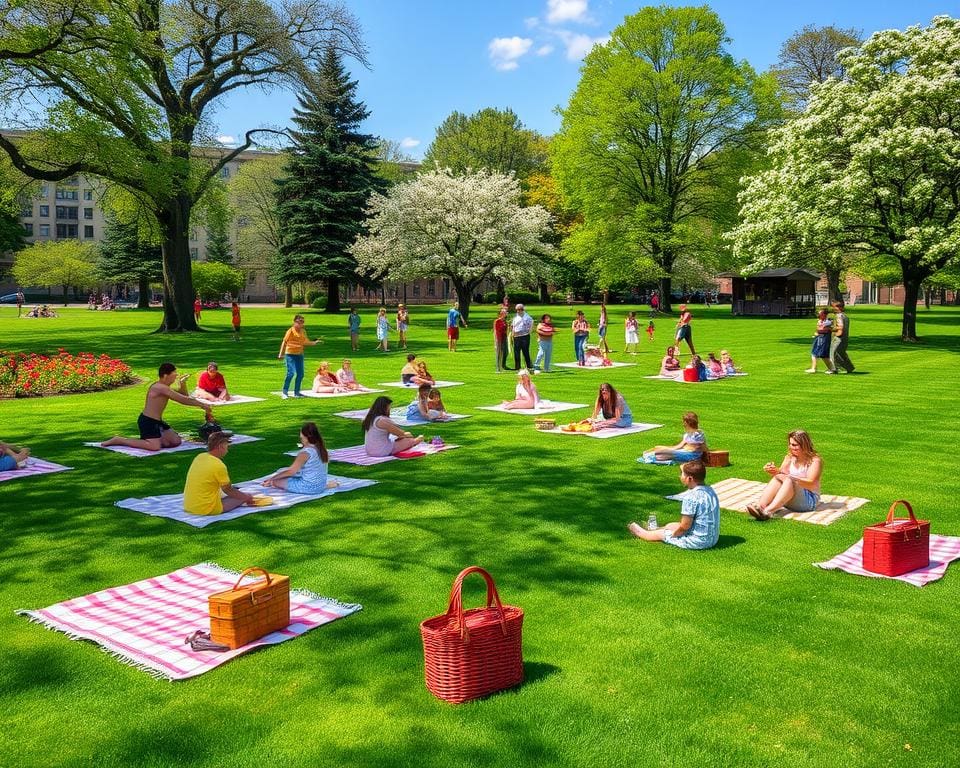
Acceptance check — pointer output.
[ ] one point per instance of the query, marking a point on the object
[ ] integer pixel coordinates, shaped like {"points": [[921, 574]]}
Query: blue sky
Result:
{"points": [[431, 57]]}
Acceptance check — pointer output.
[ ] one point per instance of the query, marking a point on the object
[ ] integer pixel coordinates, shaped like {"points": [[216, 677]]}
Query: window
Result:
{"points": [[66, 194], [193, 254], [66, 231], [26, 210], [88, 213], [225, 172], [44, 230], [44, 191], [88, 194], [416, 289], [193, 233], [87, 231], [251, 277], [73, 181], [28, 229], [44, 211], [67, 212], [432, 288]]}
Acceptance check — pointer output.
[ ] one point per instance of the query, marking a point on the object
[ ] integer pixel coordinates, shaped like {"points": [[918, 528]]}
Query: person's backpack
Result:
{"points": [[208, 428]]}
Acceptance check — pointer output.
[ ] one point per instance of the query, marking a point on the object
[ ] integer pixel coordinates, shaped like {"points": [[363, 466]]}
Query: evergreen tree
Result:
{"points": [[219, 248], [125, 257], [11, 232], [329, 178]]}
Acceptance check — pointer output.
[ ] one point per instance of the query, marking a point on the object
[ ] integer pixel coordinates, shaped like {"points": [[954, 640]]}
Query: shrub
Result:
{"points": [[25, 374], [319, 302], [312, 295], [490, 297], [559, 297], [523, 297], [298, 298]]}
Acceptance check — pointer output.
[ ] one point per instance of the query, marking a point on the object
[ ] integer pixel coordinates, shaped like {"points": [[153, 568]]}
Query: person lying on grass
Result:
{"points": [[378, 428], [308, 472], [526, 395], [692, 445], [155, 433], [12, 456], [699, 526], [421, 409], [610, 410], [795, 484], [211, 386], [208, 480]]}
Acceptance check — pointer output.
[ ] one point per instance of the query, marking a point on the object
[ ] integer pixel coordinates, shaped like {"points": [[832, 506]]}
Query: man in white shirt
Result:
{"points": [[520, 328]]}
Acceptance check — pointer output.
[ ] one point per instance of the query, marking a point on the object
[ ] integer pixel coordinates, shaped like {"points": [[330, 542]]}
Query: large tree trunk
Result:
{"points": [[288, 295], [66, 297], [464, 296], [178, 290], [833, 283], [911, 289], [143, 288], [665, 287], [544, 293], [333, 294]]}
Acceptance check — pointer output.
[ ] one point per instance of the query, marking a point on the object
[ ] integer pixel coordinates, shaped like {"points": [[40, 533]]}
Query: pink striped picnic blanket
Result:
{"points": [[943, 551], [33, 467], [356, 454], [144, 624]]}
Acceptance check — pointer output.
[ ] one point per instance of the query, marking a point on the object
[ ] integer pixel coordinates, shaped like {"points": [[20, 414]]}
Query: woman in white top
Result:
{"points": [[379, 428], [346, 376], [526, 395], [795, 484], [308, 472]]}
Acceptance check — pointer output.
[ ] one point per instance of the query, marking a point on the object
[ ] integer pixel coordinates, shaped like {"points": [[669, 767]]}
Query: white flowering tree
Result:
{"points": [[872, 166], [465, 227]]}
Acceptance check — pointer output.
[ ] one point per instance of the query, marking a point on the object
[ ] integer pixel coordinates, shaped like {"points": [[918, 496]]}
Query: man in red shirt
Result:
{"points": [[500, 340]]}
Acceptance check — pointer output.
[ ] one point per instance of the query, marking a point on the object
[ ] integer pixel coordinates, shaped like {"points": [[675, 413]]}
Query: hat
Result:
{"points": [[523, 372], [399, 306]]}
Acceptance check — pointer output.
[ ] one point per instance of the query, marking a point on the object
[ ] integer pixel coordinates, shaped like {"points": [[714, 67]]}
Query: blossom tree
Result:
{"points": [[872, 165], [464, 227]]}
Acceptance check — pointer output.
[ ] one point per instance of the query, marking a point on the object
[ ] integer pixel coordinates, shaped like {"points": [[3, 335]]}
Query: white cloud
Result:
{"points": [[226, 139], [531, 22], [409, 143], [559, 11], [544, 50], [504, 51], [578, 45]]}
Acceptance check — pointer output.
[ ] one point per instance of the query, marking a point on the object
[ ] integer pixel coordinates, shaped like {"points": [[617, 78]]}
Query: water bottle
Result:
{"points": [[652, 522]]}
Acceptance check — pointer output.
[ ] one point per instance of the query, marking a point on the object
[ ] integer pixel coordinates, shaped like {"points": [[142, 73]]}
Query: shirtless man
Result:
{"points": [[155, 433]]}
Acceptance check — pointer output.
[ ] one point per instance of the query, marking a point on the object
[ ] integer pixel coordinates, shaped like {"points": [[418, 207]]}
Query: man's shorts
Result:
{"points": [[151, 428], [683, 333], [453, 332]]}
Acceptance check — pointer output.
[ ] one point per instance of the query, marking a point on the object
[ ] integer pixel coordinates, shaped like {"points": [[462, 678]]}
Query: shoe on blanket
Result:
{"points": [[200, 641], [758, 513]]}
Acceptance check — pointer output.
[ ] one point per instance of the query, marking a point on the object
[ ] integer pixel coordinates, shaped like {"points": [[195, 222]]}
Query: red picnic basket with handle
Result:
{"points": [[897, 545], [473, 653]]}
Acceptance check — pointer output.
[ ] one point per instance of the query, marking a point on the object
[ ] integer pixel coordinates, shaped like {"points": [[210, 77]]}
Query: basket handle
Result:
{"points": [[252, 570], [905, 503], [456, 600]]}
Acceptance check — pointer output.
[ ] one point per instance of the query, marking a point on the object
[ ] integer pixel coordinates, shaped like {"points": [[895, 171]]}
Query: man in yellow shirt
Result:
{"points": [[207, 478]]}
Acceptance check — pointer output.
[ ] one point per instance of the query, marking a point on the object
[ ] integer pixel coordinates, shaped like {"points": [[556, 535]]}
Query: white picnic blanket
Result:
{"points": [[236, 400], [171, 505], [439, 384], [186, 445], [399, 416], [607, 432], [544, 408], [679, 378], [325, 395], [578, 367]]}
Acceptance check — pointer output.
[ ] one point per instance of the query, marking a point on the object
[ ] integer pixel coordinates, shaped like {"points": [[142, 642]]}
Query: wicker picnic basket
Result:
{"points": [[243, 614], [473, 653], [897, 545], [545, 423]]}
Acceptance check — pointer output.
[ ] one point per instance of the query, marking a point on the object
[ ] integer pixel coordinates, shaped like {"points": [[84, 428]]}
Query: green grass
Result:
{"points": [[636, 654]]}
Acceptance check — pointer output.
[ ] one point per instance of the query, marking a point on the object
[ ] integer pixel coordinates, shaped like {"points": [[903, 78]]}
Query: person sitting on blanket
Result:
{"points": [[729, 367], [421, 410], [526, 395], [155, 433], [211, 386], [346, 376], [409, 370], [326, 381], [670, 367], [595, 357], [435, 404], [423, 375], [692, 445], [714, 367], [208, 480], [12, 457], [308, 472], [699, 526], [795, 484], [379, 428], [696, 362], [614, 409]]}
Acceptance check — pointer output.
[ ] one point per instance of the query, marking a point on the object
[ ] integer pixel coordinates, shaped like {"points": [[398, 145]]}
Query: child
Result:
{"points": [[235, 320], [383, 330], [697, 363], [631, 333], [326, 381], [595, 358], [421, 409], [692, 445], [308, 472], [821, 343], [435, 405], [699, 526], [12, 457], [714, 368], [346, 376], [651, 328], [353, 322], [729, 368], [670, 366]]}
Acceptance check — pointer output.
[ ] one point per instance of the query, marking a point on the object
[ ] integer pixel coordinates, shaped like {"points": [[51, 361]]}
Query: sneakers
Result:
{"points": [[299, 394], [284, 396], [810, 370], [830, 372]]}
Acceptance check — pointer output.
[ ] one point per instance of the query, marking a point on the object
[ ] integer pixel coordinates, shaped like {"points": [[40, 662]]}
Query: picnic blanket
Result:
{"points": [[186, 445], [438, 384], [943, 551], [144, 624], [357, 454], [579, 367], [735, 494], [32, 467], [607, 432], [399, 416], [171, 505], [679, 377], [236, 400], [324, 395], [545, 407]]}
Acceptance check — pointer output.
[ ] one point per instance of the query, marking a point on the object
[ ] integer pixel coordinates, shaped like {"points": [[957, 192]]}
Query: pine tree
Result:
{"points": [[124, 257], [219, 248], [329, 178]]}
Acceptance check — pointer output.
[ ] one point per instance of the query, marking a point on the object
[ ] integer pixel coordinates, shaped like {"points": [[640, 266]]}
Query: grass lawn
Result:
{"points": [[636, 654]]}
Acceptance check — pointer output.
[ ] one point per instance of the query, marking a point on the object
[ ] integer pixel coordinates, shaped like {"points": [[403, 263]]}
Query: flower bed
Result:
{"points": [[26, 374]]}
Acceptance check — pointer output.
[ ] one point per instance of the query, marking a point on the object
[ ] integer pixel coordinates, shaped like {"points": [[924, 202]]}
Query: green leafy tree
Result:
{"points": [[662, 124], [11, 231], [213, 280], [136, 81], [329, 178], [64, 263], [219, 248], [869, 168], [127, 255]]}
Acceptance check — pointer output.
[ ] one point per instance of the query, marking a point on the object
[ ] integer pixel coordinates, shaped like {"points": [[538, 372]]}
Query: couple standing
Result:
{"points": [[830, 341], [521, 327]]}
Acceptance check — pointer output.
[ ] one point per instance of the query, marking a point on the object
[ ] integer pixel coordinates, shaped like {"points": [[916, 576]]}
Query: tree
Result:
{"points": [[213, 279], [64, 263], [491, 138], [393, 163], [660, 127], [127, 255], [11, 231], [810, 56], [219, 248], [329, 178], [869, 167], [253, 192], [135, 80], [466, 227]]}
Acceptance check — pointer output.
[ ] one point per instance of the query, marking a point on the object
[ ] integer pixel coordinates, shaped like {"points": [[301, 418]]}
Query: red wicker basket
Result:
{"points": [[897, 545], [473, 653]]}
